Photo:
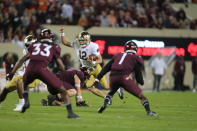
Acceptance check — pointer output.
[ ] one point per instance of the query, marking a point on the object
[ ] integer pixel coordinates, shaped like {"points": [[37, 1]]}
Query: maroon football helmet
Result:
{"points": [[46, 35], [130, 46]]}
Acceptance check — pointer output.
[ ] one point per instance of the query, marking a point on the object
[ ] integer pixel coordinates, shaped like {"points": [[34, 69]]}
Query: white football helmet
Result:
{"points": [[29, 40], [83, 38]]}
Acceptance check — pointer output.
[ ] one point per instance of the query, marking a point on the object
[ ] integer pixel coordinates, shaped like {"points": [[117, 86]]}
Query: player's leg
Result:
{"points": [[51, 80], [28, 78], [10, 86], [131, 87], [19, 89], [91, 88], [34, 84], [67, 103], [114, 84], [79, 99], [120, 93], [104, 82]]}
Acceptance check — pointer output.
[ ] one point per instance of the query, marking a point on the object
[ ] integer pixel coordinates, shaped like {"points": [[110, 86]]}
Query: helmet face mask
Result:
{"points": [[83, 39], [130, 47]]}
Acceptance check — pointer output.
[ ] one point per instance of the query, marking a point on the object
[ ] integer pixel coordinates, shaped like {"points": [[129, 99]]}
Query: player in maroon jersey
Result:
{"points": [[72, 79], [41, 53], [121, 66]]}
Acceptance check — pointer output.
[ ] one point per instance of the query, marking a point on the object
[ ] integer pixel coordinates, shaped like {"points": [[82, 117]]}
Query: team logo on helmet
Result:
{"points": [[130, 46], [29, 40], [83, 38]]}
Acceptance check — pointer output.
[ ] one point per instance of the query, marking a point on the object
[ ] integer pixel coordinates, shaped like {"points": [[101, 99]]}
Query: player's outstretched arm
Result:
{"points": [[64, 40], [105, 69], [20, 63], [60, 63], [138, 75]]}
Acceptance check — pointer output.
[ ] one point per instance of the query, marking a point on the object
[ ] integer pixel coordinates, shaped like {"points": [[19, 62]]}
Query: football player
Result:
{"points": [[41, 53], [89, 57], [75, 78], [16, 82], [121, 66]]}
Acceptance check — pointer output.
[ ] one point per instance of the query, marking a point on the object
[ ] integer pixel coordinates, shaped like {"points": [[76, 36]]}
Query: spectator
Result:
{"points": [[158, 67], [112, 18], [83, 21], [126, 13], [104, 22], [179, 73], [67, 12]]}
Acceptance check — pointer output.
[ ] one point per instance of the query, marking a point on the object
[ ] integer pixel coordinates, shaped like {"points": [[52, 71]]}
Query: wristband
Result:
{"points": [[62, 34], [77, 85], [94, 62], [79, 97]]}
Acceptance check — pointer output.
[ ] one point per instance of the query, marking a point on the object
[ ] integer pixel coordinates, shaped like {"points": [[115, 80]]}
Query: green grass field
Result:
{"points": [[177, 112]]}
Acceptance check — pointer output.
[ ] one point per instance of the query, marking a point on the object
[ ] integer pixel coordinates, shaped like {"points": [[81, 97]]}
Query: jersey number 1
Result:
{"points": [[122, 58]]}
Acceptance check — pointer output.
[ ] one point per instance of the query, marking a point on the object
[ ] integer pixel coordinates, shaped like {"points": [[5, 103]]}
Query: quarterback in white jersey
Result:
{"points": [[16, 82], [84, 48]]}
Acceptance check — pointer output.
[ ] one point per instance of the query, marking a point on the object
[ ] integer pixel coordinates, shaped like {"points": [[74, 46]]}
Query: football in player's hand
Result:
{"points": [[92, 57]]}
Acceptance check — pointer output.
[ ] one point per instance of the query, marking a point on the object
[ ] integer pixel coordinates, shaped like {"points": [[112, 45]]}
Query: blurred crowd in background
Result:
{"points": [[21, 17]]}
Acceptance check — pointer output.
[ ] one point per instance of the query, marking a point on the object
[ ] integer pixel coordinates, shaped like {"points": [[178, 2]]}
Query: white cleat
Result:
{"points": [[120, 93], [18, 107]]}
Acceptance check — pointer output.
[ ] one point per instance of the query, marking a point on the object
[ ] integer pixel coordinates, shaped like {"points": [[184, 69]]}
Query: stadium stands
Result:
{"points": [[23, 17]]}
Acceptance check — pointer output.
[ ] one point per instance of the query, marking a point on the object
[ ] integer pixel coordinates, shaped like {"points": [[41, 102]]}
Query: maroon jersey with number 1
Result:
{"points": [[123, 65]]}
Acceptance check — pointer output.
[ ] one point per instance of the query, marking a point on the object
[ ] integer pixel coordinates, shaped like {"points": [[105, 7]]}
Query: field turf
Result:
{"points": [[177, 112]]}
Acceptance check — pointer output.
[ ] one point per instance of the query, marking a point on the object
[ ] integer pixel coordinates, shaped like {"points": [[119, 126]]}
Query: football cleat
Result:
{"points": [[82, 104], [120, 93], [107, 102], [73, 116], [25, 106], [18, 107], [151, 113], [102, 108]]}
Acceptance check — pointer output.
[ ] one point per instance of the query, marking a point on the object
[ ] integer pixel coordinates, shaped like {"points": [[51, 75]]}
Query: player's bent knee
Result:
{"points": [[142, 97], [71, 92]]}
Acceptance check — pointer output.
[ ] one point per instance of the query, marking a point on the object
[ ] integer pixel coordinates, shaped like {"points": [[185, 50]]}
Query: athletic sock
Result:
{"points": [[146, 105], [25, 95], [21, 101], [69, 108]]}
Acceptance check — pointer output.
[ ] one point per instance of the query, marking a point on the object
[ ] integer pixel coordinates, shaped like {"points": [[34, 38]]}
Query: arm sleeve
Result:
{"points": [[57, 51], [138, 71], [95, 50], [105, 69], [138, 74]]}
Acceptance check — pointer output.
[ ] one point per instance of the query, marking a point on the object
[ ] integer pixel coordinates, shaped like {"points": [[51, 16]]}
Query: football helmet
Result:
{"points": [[130, 46], [46, 35], [83, 38], [29, 40], [86, 72]]}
